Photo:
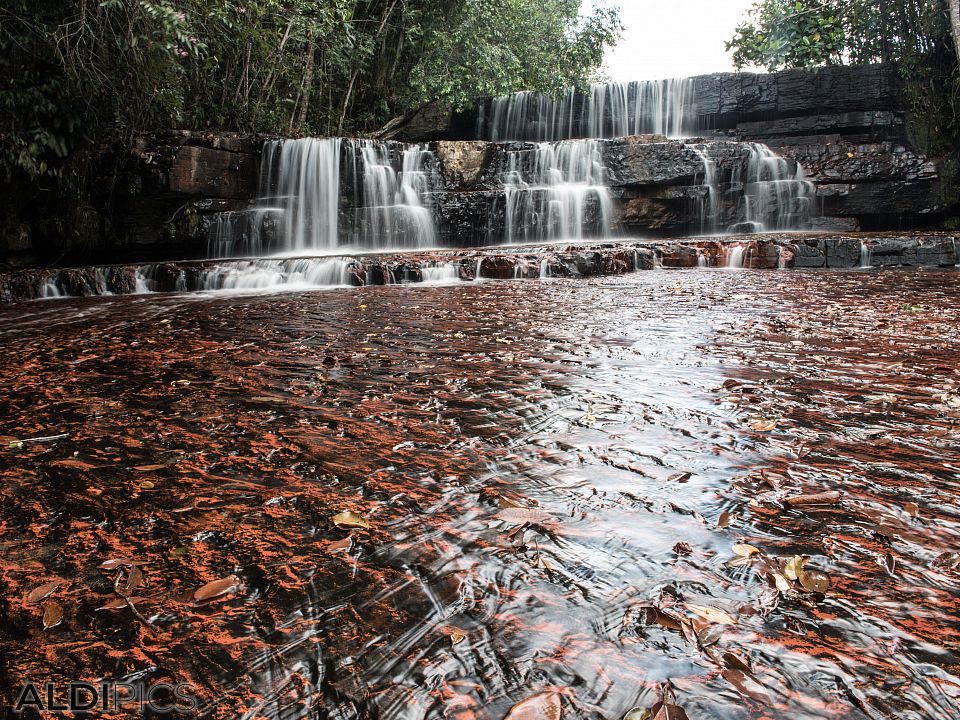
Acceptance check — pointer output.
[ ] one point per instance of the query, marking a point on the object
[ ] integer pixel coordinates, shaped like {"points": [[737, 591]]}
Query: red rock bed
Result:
{"points": [[578, 260], [439, 501]]}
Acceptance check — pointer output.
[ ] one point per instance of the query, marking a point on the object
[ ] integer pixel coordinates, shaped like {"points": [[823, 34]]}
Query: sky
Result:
{"points": [[672, 38]]}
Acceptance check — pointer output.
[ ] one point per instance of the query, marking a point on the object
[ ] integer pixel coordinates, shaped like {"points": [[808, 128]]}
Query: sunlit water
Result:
{"points": [[528, 455]]}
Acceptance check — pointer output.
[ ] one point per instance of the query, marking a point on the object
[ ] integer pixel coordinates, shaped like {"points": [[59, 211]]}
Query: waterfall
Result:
{"points": [[556, 191], [776, 193], [866, 255], [707, 209], [661, 107], [735, 256], [440, 273], [300, 206]]}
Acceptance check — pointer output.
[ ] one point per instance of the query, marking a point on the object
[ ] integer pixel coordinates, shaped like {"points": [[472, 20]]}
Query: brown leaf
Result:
{"points": [[348, 518], [133, 580], [712, 614], [522, 516], [52, 615], [38, 594], [682, 548], [680, 477], [113, 564], [725, 519], [824, 498], [764, 425], [746, 685], [545, 706], [218, 589], [814, 581]]}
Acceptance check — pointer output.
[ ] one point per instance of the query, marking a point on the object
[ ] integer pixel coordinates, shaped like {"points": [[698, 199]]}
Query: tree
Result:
{"points": [[955, 24]]}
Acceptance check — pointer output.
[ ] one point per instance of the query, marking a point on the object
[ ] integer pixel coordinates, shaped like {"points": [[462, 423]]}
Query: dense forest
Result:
{"points": [[78, 72]]}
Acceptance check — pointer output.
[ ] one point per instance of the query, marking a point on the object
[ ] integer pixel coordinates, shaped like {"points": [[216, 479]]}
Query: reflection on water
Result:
{"points": [[539, 464]]}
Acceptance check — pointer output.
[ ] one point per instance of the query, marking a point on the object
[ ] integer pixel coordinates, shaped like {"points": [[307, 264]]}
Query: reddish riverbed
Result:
{"points": [[583, 488]]}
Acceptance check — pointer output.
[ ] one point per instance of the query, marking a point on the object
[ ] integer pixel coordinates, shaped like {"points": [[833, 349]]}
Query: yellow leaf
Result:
{"points": [[350, 519]]}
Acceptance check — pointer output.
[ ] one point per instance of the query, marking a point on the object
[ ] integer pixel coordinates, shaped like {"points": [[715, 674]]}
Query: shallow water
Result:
{"points": [[528, 455]]}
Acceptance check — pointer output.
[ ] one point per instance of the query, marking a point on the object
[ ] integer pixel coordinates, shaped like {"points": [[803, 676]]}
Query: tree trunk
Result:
{"points": [[955, 25]]}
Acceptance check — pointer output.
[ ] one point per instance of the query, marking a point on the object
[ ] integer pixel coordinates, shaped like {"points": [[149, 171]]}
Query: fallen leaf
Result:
{"points": [[42, 592], [712, 614], [110, 565], [348, 518], [824, 498], [815, 581], [680, 477], [218, 589], [725, 519], [746, 685], [745, 550], [522, 516], [52, 615], [912, 509], [149, 468], [764, 425], [545, 706], [794, 567], [682, 548], [457, 637]]}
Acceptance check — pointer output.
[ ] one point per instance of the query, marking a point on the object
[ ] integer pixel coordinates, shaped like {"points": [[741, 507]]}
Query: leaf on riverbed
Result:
{"points": [[712, 614], [218, 589], [682, 548], [52, 615], [38, 594], [350, 519], [763, 425], [180, 383], [681, 477], [911, 509], [815, 581], [149, 468], [127, 582], [667, 708], [545, 706], [725, 519], [111, 565], [746, 685], [947, 561], [825, 498]]}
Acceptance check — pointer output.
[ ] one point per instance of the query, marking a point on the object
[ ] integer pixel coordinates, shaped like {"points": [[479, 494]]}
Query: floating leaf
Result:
{"points": [[947, 561], [457, 637], [348, 518], [745, 550], [42, 592], [180, 383], [912, 509], [746, 685], [52, 615], [815, 581], [783, 585], [147, 485], [133, 580], [545, 706], [764, 425], [16, 445], [149, 468], [682, 548], [724, 520], [218, 589], [680, 477], [523, 516]]}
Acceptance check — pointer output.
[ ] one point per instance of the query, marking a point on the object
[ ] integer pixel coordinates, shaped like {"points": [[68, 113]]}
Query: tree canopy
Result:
{"points": [[78, 72]]}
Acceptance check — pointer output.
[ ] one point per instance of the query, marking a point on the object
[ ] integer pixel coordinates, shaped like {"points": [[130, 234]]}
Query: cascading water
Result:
{"points": [[556, 191], [776, 193], [707, 206], [608, 110], [866, 255], [300, 210]]}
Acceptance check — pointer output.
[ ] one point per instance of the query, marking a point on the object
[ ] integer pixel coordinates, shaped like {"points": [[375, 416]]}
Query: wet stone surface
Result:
{"points": [[439, 501]]}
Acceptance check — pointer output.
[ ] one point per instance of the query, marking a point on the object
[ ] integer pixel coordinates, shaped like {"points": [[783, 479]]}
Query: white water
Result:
{"points": [[662, 107], [776, 193], [440, 273], [556, 192], [866, 255], [300, 207], [735, 256]]}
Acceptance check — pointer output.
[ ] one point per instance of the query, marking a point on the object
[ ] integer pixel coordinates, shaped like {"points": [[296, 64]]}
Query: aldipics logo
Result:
{"points": [[105, 698]]}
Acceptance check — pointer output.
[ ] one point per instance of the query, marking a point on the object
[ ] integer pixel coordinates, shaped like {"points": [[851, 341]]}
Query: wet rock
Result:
{"points": [[842, 252], [498, 267], [213, 173], [937, 252], [678, 256], [635, 161], [809, 254], [616, 262], [463, 163]]}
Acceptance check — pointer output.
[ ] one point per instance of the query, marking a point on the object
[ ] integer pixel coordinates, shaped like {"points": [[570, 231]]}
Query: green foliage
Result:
{"points": [[914, 35], [82, 72]]}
